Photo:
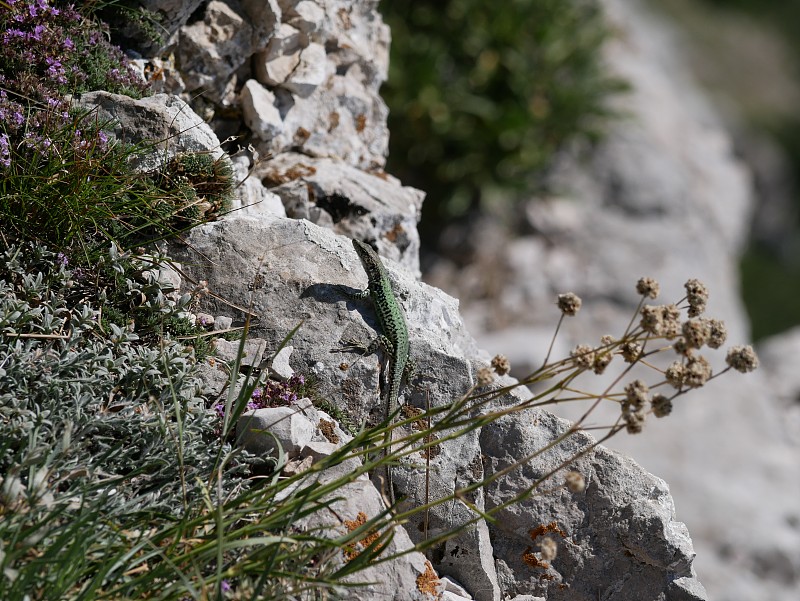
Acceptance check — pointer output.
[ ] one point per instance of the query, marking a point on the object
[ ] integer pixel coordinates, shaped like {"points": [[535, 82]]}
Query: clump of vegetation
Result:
{"points": [[274, 393], [481, 99], [115, 480], [85, 433], [60, 173], [48, 52], [64, 181], [200, 186]]}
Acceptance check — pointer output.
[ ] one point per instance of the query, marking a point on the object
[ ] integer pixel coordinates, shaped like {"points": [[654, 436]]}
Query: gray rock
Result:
{"points": [[395, 581], [306, 16], [361, 205], [310, 72], [167, 121], [323, 63], [319, 449], [227, 351], [259, 430], [275, 64], [210, 51], [454, 588], [280, 363], [259, 111], [214, 377], [170, 15], [223, 322], [470, 558], [620, 537], [252, 198], [160, 74]]}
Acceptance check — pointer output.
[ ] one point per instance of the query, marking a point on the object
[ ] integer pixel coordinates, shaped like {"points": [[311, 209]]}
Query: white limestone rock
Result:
{"points": [[253, 351], [306, 16], [277, 62], [280, 363], [162, 118], [260, 113], [258, 430], [210, 51], [368, 206], [252, 199], [160, 74], [310, 72]]}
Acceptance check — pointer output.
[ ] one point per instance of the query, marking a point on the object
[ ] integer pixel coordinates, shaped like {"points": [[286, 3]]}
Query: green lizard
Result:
{"points": [[394, 332]]}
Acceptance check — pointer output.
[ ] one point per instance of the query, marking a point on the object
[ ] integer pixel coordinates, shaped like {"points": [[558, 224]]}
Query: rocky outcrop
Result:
{"points": [[299, 82], [619, 534]]}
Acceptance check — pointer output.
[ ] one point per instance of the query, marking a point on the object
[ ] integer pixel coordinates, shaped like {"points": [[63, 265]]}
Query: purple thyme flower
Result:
{"points": [[5, 152]]}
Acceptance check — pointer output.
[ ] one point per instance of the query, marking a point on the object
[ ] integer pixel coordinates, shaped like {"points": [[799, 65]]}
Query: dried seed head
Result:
{"points": [[661, 320], [548, 548], [682, 347], [601, 360], [647, 287], [698, 371], [742, 358], [634, 421], [661, 405], [676, 374], [697, 296], [652, 320], [575, 482], [636, 394], [501, 365], [569, 303], [485, 376], [631, 351], [719, 333], [672, 321], [696, 331], [583, 356]]}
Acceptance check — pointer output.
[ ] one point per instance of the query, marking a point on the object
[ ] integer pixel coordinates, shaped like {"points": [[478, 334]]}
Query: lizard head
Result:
{"points": [[369, 258]]}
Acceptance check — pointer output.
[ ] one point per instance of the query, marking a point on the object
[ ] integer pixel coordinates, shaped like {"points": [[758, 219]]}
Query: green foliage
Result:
{"points": [[116, 478], [74, 190], [63, 182], [85, 436], [770, 313], [131, 24], [49, 51], [201, 185], [481, 96], [76, 196]]}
